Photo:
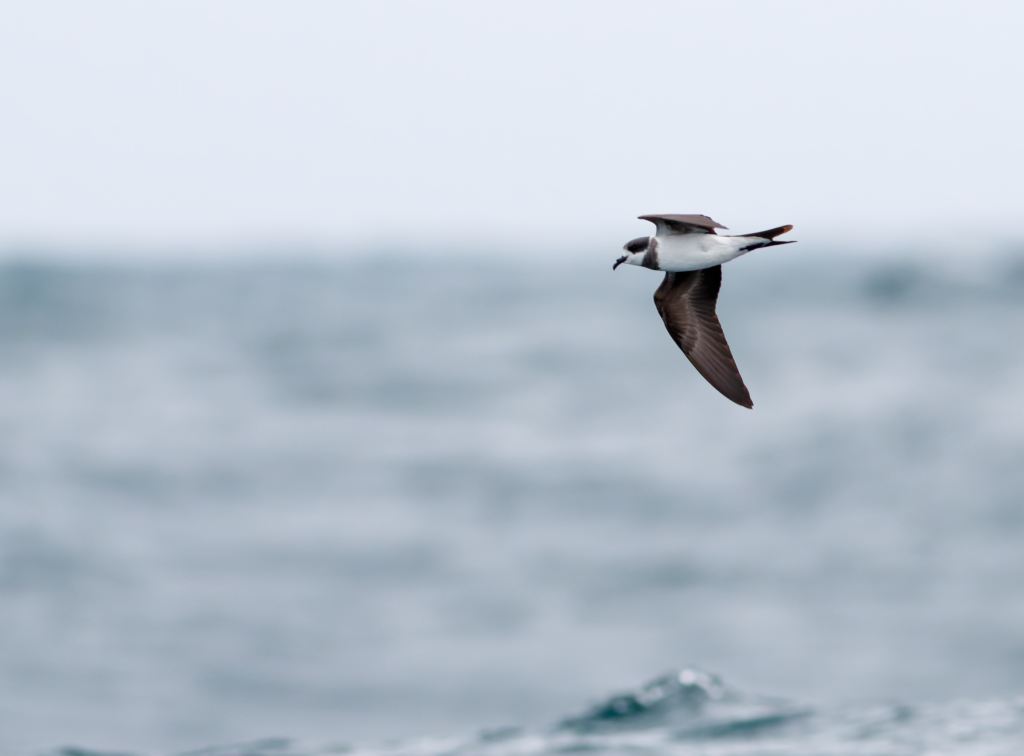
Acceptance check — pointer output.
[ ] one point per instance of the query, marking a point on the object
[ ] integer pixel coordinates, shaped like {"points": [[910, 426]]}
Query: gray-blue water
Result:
{"points": [[397, 504]]}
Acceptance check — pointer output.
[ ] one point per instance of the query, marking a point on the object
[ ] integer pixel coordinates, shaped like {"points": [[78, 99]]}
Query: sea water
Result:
{"points": [[430, 506]]}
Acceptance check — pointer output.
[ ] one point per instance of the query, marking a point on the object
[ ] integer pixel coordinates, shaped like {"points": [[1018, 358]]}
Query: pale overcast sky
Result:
{"points": [[337, 123]]}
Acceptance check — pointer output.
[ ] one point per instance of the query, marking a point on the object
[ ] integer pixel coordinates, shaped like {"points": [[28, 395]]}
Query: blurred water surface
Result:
{"points": [[402, 498]]}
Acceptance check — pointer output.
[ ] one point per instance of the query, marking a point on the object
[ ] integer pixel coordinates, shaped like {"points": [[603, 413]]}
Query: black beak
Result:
{"points": [[619, 261]]}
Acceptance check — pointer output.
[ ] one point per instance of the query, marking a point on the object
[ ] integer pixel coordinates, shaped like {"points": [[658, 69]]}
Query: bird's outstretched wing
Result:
{"points": [[670, 225], [686, 302]]}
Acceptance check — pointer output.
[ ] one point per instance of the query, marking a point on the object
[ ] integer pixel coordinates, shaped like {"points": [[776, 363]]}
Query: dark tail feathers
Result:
{"points": [[771, 233]]}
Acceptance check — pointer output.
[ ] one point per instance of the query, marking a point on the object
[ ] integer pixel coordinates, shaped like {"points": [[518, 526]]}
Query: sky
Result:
{"points": [[356, 126]]}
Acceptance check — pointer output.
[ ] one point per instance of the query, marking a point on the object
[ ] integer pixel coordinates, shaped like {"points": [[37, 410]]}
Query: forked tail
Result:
{"points": [[770, 235]]}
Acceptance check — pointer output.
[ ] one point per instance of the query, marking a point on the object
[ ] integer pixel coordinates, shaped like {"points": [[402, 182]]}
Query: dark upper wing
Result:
{"points": [[686, 302], [668, 225]]}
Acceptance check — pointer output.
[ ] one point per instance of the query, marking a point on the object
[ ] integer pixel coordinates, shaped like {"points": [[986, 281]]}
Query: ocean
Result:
{"points": [[434, 506]]}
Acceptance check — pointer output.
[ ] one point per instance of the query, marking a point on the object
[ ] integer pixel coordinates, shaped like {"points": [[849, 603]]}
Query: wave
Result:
{"points": [[691, 712]]}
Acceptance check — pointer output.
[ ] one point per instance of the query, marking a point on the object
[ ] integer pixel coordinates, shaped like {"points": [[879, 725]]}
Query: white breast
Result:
{"points": [[681, 252]]}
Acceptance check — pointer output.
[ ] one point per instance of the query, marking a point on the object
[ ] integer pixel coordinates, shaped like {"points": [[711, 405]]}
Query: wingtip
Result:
{"points": [[743, 401]]}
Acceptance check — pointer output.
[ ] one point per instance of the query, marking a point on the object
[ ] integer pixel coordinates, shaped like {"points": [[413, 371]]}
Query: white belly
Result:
{"points": [[683, 252]]}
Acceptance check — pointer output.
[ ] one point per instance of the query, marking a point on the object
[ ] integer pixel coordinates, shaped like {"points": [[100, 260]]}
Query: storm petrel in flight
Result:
{"points": [[691, 253]]}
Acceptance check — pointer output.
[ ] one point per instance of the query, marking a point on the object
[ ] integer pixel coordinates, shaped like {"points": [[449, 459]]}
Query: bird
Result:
{"points": [[690, 251]]}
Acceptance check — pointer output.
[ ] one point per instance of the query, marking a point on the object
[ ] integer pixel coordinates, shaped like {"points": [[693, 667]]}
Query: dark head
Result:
{"points": [[635, 251]]}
